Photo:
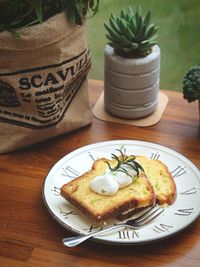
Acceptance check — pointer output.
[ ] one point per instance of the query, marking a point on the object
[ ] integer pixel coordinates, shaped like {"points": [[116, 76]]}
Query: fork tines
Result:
{"points": [[149, 215]]}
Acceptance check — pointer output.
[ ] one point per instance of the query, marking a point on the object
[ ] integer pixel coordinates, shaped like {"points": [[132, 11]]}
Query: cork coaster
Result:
{"points": [[100, 113]]}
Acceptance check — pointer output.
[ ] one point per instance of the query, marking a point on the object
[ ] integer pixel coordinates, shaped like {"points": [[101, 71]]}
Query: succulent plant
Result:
{"points": [[131, 34], [191, 84]]}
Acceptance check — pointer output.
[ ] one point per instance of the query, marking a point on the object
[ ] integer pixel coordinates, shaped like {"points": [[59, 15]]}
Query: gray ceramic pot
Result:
{"points": [[131, 86]]}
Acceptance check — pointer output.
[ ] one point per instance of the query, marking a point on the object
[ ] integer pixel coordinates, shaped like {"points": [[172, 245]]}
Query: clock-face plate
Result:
{"points": [[175, 218]]}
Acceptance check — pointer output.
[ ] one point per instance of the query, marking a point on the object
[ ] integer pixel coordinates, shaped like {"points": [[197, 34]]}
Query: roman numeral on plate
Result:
{"points": [[56, 191], [190, 191], [127, 234], [162, 228], [155, 155], [178, 171], [66, 215], [184, 212], [69, 172]]}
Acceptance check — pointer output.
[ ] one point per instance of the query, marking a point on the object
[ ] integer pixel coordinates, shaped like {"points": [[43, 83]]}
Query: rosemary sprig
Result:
{"points": [[123, 159]]}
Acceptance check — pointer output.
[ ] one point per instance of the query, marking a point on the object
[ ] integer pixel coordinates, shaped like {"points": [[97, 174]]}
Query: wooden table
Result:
{"points": [[30, 237]]}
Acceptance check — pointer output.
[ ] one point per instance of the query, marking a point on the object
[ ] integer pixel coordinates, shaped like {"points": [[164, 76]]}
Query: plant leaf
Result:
{"points": [[37, 6]]}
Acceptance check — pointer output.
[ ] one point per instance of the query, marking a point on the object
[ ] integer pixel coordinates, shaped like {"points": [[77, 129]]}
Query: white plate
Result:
{"points": [[175, 218]]}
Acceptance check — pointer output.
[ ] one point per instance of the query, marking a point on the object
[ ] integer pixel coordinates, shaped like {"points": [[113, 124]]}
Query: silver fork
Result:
{"points": [[150, 214]]}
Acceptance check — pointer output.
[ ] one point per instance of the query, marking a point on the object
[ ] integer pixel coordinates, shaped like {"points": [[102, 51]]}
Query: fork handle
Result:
{"points": [[76, 240]]}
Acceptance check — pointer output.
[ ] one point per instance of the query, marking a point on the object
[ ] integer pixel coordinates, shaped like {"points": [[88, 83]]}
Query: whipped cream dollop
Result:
{"points": [[111, 181]]}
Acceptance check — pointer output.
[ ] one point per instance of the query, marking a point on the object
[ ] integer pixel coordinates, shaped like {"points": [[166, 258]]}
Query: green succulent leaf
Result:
{"points": [[125, 41], [141, 35], [113, 17], [138, 20], [134, 46], [151, 30], [130, 11], [153, 39], [109, 37], [113, 33], [114, 25], [133, 26], [123, 14], [130, 35], [147, 19], [123, 25]]}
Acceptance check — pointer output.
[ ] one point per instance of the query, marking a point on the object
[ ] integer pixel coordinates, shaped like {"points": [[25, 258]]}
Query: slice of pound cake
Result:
{"points": [[110, 188], [160, 178]]}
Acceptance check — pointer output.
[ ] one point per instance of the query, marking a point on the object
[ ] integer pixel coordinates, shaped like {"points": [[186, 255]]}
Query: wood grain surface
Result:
{"points": [[30, 237]]}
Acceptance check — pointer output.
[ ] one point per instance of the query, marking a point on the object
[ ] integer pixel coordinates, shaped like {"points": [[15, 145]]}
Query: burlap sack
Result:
{"points": [[43, 82]]}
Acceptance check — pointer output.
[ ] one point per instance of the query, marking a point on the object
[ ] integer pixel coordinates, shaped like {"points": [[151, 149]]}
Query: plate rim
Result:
{"points": [[59, 162]]}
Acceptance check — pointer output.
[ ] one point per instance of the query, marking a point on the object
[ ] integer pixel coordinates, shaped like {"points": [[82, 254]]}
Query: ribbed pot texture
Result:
{"points": [[131, 86]]}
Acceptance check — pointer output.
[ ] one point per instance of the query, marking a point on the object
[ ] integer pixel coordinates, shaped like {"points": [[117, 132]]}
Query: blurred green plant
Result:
{"points": [[15, 14], [191, 84], [131, 34]]}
